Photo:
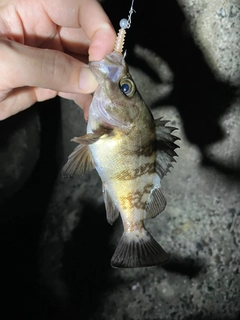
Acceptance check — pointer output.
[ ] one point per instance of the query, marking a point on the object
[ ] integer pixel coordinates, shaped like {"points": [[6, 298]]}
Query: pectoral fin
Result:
{"points": [[111, 210], [156, 203], [79, 162], [165, 144], [91, 138]]}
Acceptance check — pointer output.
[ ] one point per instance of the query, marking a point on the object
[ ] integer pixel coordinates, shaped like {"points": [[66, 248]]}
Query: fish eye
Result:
{"points": [[127, 87]]}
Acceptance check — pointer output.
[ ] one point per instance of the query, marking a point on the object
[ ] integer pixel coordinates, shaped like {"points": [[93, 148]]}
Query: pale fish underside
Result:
{"points": [[131, 152]]}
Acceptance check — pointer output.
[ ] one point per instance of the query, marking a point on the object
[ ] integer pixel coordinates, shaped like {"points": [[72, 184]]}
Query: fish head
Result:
{"points": [[116, 102]]}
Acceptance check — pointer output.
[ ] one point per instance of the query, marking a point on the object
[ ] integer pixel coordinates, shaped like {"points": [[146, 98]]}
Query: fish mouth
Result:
{"points": [[109, 68], [97, 68]]}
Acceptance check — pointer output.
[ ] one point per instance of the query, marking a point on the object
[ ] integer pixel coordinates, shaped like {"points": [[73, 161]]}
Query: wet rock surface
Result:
{"points": [[184, 57]]}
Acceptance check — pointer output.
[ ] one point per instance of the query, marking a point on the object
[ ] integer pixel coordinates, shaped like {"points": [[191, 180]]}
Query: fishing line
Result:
{"points": [[124, 24]]}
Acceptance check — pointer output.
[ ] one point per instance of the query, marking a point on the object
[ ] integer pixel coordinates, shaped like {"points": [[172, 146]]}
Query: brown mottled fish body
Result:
{"points": [[131, 152]]}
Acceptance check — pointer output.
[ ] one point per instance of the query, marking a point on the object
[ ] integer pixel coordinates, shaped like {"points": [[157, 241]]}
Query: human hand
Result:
{"points": [[44, 46]]}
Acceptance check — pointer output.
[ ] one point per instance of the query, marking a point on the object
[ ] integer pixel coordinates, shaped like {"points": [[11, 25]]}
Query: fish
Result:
{"points": [[131, 152]]}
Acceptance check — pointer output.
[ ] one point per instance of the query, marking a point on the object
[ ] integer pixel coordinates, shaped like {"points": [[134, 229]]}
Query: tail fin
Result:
{"points": [[138, 249]]}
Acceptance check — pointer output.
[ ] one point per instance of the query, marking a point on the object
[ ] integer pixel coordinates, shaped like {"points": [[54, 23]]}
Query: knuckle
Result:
{"points": [[54, 65]]}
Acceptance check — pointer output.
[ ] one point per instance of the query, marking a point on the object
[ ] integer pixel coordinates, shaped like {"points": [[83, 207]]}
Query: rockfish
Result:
{"points": [[131, 152]]}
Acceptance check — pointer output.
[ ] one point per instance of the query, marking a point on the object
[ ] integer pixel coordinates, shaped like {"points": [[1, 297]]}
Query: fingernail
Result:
{"points": [[87, 82]]}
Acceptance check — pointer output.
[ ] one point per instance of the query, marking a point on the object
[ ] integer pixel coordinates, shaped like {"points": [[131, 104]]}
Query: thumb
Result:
{"points": [[21, 65]]}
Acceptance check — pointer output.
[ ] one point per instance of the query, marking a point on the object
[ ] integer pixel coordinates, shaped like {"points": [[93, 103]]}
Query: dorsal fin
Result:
{"points": [[165, 145]]}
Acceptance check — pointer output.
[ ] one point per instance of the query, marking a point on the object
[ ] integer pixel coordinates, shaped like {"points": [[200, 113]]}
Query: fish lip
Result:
{"points": [[94, 66], [108, 68], [99, 70], [114, 57]]}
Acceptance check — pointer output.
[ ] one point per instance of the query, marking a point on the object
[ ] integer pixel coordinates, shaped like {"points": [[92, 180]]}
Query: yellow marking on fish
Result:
{"points": [[135, 199]]}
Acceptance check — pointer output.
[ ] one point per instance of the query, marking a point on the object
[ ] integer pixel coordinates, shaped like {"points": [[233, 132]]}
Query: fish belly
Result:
{"points": [[128, 177]]}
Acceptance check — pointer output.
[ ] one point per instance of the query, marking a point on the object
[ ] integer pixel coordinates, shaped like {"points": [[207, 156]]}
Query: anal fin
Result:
{"points": [[138, 249], [156, 203]]}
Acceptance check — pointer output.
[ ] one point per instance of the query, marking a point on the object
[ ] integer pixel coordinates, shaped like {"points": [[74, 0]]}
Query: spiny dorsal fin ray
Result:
{"points": [[79, 161], [138, 249], [111, 210], [165, 145], [156, 203]]}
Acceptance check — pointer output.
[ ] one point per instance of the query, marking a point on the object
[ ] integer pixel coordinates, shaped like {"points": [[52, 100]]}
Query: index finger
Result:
{"points": [[89, 15]]}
